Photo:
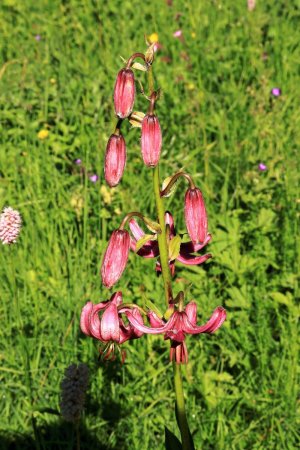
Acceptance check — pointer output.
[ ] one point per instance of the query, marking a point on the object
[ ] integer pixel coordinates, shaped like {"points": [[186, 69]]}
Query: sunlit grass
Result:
{"points": [[219, 122]]}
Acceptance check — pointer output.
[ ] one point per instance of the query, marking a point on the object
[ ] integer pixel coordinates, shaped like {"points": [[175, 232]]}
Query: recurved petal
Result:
{"points": [[85, 318], [192, 260], [136, 230], [216, 320], [94, 324], [190, 247], [140, 327], [191, 312], [109, 326]]}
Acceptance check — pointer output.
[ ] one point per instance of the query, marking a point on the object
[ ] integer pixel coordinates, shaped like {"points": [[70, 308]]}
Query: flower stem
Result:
{"points": [[180, 409], [164, 262], [166, 274], [162, 238]]}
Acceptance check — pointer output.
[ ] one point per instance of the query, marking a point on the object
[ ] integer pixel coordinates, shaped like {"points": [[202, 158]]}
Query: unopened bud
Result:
{"points": [[124, 93], [151, 140], [115, 258], [115, 159], [195, 215]]}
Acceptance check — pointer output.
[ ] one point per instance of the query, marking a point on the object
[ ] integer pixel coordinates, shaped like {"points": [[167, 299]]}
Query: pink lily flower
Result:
{"points": [[150, 248], [115, 257], [179, 324], [110, 328]]}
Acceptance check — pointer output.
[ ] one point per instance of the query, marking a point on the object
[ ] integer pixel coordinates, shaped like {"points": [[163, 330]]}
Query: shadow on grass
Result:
{"points": [[59, 436]]}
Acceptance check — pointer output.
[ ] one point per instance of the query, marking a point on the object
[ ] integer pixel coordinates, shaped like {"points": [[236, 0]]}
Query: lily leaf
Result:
{"points": [[174, 247], [139, 66], [171, 441], [152, 226], [165, 184], [143, 240]]}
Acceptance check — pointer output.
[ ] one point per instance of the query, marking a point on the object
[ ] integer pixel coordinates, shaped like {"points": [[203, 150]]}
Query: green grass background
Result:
{"points": [[219, 121]]}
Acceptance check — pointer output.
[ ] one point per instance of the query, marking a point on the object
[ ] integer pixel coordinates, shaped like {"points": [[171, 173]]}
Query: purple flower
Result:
{"points": [[276, 92], [262, 167], [77, 161], [94, 178], [38, 37]]}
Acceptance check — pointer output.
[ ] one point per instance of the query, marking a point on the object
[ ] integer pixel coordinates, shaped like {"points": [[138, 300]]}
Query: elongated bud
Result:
{"points": [[124, 93], [115, 258], [195, 215], [115, 159], [151, 140]]}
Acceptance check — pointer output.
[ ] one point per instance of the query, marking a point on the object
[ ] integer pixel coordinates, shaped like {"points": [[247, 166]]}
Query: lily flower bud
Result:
{"points": [[115, 159], [151, 140], [195, 215], [115, 258], [124, 93]]}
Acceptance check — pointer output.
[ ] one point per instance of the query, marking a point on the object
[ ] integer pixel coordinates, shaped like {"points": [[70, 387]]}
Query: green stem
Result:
{"points": [[162, 238], [164, 262], [180, 409], [167, 279]]}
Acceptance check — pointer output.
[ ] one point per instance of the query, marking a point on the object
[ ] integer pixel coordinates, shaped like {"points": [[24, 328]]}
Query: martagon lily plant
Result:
{"points": [[113, 322]]}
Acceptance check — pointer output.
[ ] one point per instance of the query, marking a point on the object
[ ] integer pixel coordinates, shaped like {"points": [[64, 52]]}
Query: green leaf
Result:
{"points": [[154, 308], [174, 247], [143, 240], [152, 225], [165, 184], [171, 441]]}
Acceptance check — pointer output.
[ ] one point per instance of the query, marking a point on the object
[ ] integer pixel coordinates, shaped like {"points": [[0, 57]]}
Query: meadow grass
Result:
{"points": [[219, 122]]}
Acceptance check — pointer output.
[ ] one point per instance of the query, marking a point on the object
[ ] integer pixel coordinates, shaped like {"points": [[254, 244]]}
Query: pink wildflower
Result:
{"points": [[177, 34], [10, 225]]}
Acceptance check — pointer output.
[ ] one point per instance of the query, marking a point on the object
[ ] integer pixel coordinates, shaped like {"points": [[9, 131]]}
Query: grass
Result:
{"points": [[219, 121]]}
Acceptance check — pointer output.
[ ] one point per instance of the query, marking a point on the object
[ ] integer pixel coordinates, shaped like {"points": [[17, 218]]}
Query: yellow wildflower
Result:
{"points": [[106, 194], [43, 134], [153, 38], [193, 34]]}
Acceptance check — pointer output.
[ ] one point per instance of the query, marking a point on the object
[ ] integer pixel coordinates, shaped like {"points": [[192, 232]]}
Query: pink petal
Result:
{"points": [[170, 221], [192, 260], [85, 318], [154, 320], [216, 320], [136, 230], [109, 327], [140, 327], [94, 325], [191, 312], [190, 247]]}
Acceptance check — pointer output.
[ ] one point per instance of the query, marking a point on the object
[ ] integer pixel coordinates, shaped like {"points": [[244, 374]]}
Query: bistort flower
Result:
{"points": [[10, 225]]}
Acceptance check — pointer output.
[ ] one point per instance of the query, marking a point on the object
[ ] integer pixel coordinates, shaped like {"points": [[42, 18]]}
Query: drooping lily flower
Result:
{"points": [[110, 328], [179, 324], [115, 257], [150, 248]]}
